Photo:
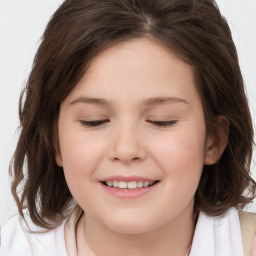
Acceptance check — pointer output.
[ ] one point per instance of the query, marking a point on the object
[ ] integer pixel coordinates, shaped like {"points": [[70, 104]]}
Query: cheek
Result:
{"points": [[181, 154], [80, 159], [80, 154]]}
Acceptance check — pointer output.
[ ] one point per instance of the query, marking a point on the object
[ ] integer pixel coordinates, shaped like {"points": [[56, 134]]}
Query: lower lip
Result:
{"points": [[125, 193]]}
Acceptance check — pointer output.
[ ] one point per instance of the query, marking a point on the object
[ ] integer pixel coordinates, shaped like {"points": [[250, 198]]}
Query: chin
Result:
{"points": [[132, 224], [130, 229]]}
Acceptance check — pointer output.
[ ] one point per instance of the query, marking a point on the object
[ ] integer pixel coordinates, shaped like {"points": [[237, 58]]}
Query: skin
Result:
{"points": [[126, 76], [248, 230]]}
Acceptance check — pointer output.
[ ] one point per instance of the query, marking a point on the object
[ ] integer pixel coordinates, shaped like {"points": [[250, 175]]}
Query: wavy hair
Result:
{"points": [[195, 31]]}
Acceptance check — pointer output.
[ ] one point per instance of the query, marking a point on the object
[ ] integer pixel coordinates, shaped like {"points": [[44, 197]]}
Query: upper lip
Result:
{"points": [[127, 178]]}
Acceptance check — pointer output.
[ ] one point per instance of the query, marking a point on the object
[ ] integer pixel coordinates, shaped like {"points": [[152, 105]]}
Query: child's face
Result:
{"points": [[153, 129]]}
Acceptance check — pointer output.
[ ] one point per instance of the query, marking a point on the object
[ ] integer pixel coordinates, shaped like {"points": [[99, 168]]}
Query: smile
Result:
{"points": [[129, 185]]}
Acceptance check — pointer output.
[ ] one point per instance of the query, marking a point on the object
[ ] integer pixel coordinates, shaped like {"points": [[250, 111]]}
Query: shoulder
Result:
{"points": [[17, 239], [248, 231], [13, 238]]}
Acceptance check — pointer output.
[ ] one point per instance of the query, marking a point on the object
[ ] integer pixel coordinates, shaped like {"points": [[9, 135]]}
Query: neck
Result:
{"points": [[173, 238]]}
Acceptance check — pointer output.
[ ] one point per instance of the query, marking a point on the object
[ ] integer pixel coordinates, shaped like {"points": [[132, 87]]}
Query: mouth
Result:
{"points": [[129, 185]]}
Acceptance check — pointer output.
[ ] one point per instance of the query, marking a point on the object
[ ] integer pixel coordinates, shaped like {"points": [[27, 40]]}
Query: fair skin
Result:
{"points": [[153, 129]]}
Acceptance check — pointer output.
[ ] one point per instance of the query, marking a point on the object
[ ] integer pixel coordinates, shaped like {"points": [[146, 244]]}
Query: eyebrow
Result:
{"points": [[162, 100], [147, 102], [95, 101]]}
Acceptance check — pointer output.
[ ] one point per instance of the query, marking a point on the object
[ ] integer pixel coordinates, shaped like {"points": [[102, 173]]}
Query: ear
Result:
{"points": [[217, 142], [58, 159]]}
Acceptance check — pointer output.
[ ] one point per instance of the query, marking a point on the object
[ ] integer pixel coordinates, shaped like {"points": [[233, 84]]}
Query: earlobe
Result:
{"points": [[58, 160], [217, 142]]}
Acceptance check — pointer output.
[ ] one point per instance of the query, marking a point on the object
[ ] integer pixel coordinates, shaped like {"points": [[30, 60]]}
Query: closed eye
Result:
{"points": [[163, 123], [94, 123]]}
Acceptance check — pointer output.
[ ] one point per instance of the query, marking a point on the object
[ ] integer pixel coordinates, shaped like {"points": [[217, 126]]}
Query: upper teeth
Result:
{"points": [[130, 185]]}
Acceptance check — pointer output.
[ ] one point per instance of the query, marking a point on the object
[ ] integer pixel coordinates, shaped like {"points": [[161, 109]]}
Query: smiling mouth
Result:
{"points": [[130, 184]]}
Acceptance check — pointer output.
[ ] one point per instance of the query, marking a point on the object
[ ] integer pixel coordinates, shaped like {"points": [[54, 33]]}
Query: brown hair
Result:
{"points": [[195, 30]]}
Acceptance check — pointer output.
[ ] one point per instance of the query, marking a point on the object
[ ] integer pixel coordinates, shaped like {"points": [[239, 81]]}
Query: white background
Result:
{"points": [[21, 25]]}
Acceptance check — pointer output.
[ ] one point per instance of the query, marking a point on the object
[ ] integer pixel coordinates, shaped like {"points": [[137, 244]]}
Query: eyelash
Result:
{"points": [[163, 123], [94, 123], [97, 123]]}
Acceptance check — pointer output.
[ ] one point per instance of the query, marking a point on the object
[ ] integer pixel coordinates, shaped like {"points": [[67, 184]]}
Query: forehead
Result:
{"points": [[141, 54], [138, 68]]}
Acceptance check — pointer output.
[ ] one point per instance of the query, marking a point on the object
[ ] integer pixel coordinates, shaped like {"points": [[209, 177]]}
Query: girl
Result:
{"points": [[136, 135]]}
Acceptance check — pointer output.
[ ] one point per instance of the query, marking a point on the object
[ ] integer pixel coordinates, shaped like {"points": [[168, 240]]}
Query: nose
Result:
{"points": [[127, 145]]}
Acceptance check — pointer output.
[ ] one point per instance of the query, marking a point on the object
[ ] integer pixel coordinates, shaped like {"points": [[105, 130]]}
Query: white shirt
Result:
{"points": [[16, 240], [213, 237], [218, 236]]}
